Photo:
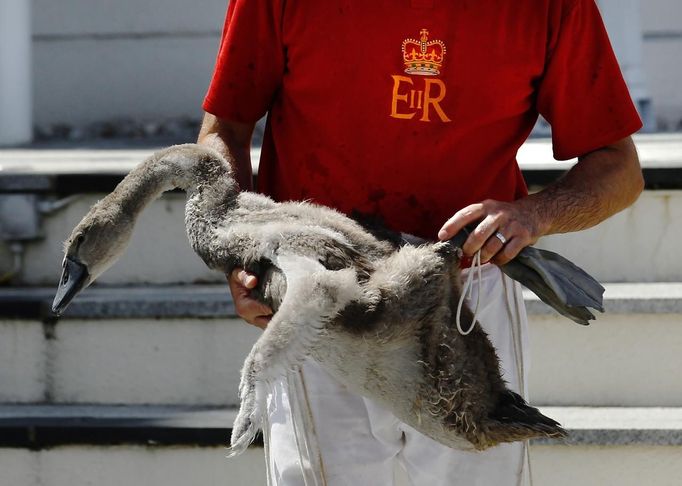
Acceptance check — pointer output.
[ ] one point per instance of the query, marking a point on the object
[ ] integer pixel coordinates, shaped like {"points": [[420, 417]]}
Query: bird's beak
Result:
{"points": [[74, 276]]}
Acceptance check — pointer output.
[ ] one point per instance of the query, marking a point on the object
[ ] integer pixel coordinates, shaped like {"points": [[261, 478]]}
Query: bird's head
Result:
{"points": [[94, 245]]}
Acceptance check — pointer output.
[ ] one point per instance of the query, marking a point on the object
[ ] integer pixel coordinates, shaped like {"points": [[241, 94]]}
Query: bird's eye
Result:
{"points": [[80, 238]]}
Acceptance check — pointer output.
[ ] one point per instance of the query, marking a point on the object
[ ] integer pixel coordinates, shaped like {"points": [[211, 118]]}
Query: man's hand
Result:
{"points": [[602, 183], [252, 311], [233, 140], [516, 222]]}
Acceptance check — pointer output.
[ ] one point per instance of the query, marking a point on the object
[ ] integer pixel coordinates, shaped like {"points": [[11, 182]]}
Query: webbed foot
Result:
{"points": [[249, 420]]}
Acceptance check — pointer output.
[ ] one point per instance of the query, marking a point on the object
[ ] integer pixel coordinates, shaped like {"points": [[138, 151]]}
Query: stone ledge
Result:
{"points": [[612, 426], [656, 151], [101, 178], [98, 166], [626, 298], [116, 416], [208, 301], [214, 301], [40, 426]]}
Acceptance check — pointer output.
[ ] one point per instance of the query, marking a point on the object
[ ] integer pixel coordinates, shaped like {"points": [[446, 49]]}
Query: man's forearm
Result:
{"points": [[601, 184], [233, 140]]}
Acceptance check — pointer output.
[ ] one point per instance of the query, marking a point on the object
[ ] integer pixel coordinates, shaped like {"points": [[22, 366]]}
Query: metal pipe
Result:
{"points": [[17, 250]]}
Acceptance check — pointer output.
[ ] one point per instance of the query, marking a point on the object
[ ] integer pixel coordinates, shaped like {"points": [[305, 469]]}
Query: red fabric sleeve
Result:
{"points": [[250, 62], [582, 93]]}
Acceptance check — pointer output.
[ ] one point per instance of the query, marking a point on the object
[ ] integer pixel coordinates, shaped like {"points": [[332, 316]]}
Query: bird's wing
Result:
{"points": [[553, 293], [571, 283], [314, 296], [557, 281]]}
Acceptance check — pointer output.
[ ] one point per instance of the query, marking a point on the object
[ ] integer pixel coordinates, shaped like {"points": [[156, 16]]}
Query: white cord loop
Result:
{"points": [[468, 288]]}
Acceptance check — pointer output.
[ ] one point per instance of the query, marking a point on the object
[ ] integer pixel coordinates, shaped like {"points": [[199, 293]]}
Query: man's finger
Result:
{"points": [[251, 310], [461, 218], [490, 249], [245, 306], [480, 235], [262, 321], [509, 252], [247, 279]]}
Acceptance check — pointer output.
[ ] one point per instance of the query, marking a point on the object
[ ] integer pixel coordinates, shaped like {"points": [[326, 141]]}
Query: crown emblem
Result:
{"points": [[423, 57]]}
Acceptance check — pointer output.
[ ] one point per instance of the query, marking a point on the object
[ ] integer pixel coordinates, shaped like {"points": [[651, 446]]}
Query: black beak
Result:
{"points": [[74, 276]]}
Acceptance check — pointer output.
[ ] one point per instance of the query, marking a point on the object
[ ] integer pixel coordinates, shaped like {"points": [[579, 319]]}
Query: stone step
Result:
{"points": [[629, 356], [40, 426], [116, 157], [182, 345], [75, 445], [637, 245], [611, 447]]}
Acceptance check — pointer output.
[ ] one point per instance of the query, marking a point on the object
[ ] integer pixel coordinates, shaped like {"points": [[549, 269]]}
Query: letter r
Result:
{"points": [[435, 101]]}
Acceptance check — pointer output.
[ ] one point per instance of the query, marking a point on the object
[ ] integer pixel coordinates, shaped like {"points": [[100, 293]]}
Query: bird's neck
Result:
{"points": [[203, 174]]}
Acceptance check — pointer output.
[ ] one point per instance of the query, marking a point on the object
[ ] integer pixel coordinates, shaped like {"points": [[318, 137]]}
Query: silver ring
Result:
{"points": [[501, 237]]}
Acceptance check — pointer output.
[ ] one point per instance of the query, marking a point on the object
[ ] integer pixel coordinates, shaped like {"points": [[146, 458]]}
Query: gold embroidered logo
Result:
{"points": [[423, 57]]}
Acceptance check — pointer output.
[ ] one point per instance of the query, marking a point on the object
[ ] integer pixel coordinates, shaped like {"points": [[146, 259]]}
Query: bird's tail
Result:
{"points": [[513, 420]]}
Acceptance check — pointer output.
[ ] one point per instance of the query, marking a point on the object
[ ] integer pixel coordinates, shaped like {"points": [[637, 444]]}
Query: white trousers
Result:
{"points": [[352, 441]]}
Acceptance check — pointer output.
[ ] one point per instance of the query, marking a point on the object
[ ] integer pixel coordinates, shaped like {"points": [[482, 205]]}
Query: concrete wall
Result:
{"points": [[621, 360], [639, 244], [124, 361], [132, 466], [15, 72], [150, 466], [153, 59], [662, 29], [111, 59]]}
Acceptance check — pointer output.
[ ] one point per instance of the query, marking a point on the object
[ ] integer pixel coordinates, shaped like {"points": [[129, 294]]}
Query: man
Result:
{"points": [[413, 111]]}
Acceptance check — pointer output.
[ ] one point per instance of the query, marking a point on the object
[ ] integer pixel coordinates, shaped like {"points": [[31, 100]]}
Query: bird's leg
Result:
{"points": [[313, 298]]}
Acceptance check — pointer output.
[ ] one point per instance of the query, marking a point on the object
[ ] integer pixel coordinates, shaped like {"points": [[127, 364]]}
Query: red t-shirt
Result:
{"points": [[413, 109]]}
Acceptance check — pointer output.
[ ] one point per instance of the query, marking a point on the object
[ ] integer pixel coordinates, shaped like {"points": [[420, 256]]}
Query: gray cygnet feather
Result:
{"points": [[378, 317]]}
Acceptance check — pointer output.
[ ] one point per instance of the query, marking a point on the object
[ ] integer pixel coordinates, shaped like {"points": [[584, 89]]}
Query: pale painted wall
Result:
{"points": [[106, 59], [650, 230], [662, 29], [156, 466], [621, 360], [150, 59], [15, 72]]}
